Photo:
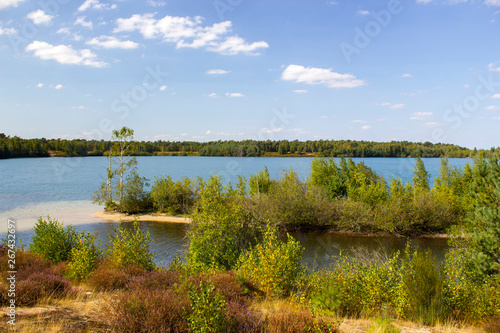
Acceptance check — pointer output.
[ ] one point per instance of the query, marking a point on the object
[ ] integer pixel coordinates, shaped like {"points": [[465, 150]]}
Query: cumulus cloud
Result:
{"points": [[111, 42], [9, 3], [80, 20], [213, 95], [494, 66], [421, 115], [495, 96], [95, 4], [235, 94], [189, 32], [397, 106], [64, 54], [217, 71], [40, 18], [365, 127], [163, 88], [40, 85], [325, 76], [300, 91], [7, 31], [58, 87], [493, 108]]}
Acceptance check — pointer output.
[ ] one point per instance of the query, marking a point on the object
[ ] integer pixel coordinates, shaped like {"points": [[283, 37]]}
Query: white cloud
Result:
{"points": [[235, 94], [79, 107], [494, 66], [188, 32], [496, 96], [385, 104], [213, 95], [64, 54], [208, 132], [65, 31], [406, 75], [58, 87], [271, 130], [493, 108], [111, 42], [325, 76], [163, 88], [492, 2], [7, 31], [360, 121], [363, 12], [365, 127], [9, 3], [300, 91], [40, 85], [217, 71], [423, 1], [40, 18], [95, 4], [298, 131], [397, 106], [156, 3], [421, 115], [324, 117], [80, 20]]}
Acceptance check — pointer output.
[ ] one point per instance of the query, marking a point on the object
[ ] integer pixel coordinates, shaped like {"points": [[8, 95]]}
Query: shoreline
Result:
{"points": [[117, 217]]}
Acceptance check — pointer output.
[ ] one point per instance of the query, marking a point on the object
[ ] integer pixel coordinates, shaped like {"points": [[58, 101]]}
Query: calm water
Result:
{"points": [[61, 188]]}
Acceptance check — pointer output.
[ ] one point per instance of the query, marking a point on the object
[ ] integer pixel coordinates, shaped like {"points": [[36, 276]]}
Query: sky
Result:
{"points": [[413, 70]]}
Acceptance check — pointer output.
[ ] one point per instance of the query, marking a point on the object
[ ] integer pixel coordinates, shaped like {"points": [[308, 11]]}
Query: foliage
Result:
{"points": [[274, 265], [131, 247], [85, 257], [11, 147], [135, 197], [173, 197], [52, 241], [420, 176], [221, 229], [208, 309], [260, 183], [109, 276]]}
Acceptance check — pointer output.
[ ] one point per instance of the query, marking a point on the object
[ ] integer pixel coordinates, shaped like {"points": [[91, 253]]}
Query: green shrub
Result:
{"points": [[135, 198], [51, 241], [85, 257], [208, 309], [131, 247], [173, 197], [274, 265], [221, 228]]}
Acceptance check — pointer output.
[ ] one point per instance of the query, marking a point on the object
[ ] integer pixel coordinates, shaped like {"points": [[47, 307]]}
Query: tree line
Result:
{"points": [[15, 147]]}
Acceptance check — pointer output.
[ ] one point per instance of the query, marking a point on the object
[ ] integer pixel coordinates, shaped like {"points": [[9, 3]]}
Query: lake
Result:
{"points": [[61, 188]]}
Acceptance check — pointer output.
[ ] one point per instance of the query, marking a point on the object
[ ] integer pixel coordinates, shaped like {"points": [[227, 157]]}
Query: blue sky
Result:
{"points": [[416, 70]]}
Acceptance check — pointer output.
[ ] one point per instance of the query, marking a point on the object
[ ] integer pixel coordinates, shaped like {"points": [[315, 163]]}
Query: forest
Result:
{"points": [[15, 147]]}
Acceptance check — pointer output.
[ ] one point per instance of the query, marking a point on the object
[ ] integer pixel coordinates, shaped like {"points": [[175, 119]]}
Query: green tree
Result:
{"points": [[420, 176]]}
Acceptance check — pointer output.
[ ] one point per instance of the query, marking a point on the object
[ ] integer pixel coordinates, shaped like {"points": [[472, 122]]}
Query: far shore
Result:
{"points": [[116, 217]]}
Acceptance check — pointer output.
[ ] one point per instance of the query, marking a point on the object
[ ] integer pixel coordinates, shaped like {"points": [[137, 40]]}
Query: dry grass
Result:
{"points": [[85, 311]]}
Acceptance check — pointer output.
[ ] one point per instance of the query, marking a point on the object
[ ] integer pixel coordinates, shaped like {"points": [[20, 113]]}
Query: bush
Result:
{"points": [[52, 241], [274, 265], [109, 276], [84, 257], [131, 247], [39, 285], [173, 197], [135, 197], [221, 228], [146, 310], [208, 309]]}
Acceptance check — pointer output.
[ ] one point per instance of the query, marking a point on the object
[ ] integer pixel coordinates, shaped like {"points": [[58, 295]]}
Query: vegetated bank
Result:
{"points": [[12, 147]]}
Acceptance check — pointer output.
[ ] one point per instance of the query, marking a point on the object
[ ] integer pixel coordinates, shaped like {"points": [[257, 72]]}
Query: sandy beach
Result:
{"points": [[116, 217]]}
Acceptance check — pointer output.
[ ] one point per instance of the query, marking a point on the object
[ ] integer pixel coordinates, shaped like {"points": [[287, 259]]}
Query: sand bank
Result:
{"points": [[116, 217]]}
